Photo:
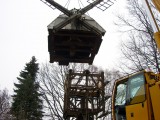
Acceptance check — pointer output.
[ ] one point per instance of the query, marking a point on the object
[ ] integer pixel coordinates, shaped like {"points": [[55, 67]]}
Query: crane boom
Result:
{"points": [[157, 34], [157, 4], [153, 20]]}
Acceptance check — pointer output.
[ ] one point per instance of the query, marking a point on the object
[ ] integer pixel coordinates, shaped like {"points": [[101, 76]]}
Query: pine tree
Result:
{"points": [[27, 104]]}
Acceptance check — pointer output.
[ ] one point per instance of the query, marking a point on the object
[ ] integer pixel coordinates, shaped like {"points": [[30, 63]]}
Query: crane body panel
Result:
{"points": [[137, 97]]}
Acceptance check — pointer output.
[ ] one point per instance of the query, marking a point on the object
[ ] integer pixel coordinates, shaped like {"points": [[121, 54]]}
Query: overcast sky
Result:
{"points": [[23, 34]]}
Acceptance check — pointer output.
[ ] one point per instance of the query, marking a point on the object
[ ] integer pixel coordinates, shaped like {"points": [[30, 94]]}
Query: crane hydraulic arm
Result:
{"points": [[152, 19], [157, 34], [157, 4]]}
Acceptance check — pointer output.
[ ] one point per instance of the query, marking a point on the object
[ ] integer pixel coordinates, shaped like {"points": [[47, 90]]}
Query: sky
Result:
{"points": [[23, 34]]}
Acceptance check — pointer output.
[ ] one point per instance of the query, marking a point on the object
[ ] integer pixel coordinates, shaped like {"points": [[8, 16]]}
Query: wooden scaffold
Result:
{"points": [[84, 95]]}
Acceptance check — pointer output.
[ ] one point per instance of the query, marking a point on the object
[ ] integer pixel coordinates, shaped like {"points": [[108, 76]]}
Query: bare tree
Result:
{"points": [[140, 50], [4, 105], [110, 77], [52, 78]]}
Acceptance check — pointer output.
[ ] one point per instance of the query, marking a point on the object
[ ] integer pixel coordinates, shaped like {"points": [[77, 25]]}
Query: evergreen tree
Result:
{"points": [[27, 104]]}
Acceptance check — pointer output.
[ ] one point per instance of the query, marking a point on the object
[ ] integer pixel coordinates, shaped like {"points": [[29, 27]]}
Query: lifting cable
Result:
{"points": [[80, 3], [66, 5]]}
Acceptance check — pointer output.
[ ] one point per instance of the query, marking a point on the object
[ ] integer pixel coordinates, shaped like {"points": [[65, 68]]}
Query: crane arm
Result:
{"points": [[153, 20], [157, 34], [157, 4], [157, 39]]}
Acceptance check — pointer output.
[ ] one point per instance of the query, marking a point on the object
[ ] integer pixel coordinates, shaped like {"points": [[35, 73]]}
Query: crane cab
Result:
{"points": [[137, 97]]}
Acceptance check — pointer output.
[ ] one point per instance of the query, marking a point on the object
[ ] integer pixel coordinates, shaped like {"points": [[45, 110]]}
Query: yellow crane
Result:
{"points": [[137, 96], [152, 19], [157, 34], [157, 4]]}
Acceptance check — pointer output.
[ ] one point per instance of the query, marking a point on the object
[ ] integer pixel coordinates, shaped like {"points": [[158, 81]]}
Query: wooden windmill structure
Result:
{"points": [[74, 36], [84, 96]]}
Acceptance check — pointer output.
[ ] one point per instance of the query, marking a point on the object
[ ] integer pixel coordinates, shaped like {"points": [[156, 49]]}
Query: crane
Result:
{"points": [[137, 96], [157, 4], [152, 19]]}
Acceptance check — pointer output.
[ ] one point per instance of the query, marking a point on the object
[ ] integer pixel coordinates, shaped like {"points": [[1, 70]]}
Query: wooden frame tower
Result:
{"points": [[84, 95]]}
